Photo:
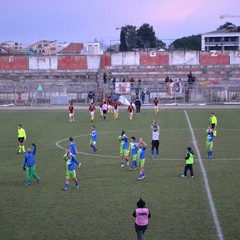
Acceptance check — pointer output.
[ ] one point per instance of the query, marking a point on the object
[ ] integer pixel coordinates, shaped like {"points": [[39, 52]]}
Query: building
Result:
{"points": [[222, 39], [44, 47], [12, 45], [72, 49]]}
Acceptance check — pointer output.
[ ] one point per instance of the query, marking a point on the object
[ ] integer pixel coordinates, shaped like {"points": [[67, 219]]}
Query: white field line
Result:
{"points": [[206, 184]]}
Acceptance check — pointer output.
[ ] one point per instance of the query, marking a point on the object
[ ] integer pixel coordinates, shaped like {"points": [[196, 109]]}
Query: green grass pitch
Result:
{"points": [[102, 206]]}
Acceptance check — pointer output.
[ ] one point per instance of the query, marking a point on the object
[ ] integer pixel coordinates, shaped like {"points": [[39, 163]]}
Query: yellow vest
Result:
{"points": [[191, 159]]}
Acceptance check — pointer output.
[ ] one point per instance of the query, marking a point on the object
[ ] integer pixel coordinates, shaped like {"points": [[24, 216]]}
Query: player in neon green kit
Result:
{"points": [[132, 151], [209, 141], [70, 170], [123, 148]]}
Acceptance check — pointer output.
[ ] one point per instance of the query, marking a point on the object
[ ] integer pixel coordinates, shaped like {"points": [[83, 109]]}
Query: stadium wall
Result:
{"points": [[14, 63], [91, 62]]}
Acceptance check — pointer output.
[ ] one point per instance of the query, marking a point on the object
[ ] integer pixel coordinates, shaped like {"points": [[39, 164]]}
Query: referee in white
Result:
{"points": [[155, 137]]}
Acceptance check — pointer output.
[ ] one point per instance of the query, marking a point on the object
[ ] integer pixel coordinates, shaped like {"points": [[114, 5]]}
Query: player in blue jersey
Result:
{"points": [[73, 147], [209, 142], [93, 140], [141, 157], [123, 139], [132, 152], [70, 169], [29, 164]]}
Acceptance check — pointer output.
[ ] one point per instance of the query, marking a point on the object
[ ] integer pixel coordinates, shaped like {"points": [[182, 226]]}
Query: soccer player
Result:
{"points": [[93, 140], [105, 109], [213, 121], [100, 109], [189, 163], [132, 150], [141, 157], [21, 138], [115, 109], [209, 142], [130, 111], [155, 137], [70, 169], [71, 112], [123, 139], [92, 110], [73, 147], [156, 105], [141, 214], [29, 164], [110, 103]]}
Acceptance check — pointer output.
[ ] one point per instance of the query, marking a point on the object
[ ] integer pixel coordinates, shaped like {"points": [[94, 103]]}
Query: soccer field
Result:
{"points": [[102, 207]]}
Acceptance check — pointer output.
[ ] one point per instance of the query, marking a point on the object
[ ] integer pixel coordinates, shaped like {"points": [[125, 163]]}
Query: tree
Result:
{"points": [[226, 25], [128, 38], [187, 43], [146, 37]]}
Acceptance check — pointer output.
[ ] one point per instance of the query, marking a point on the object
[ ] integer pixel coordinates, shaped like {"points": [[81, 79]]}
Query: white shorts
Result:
{"points": [[71, 114]]}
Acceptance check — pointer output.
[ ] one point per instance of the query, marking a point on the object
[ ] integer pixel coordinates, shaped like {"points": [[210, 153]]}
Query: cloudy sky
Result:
{"points": [[29, 21]]}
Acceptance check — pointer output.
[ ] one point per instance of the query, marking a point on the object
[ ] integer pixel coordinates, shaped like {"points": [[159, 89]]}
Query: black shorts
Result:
{"points": [[104, 111], [155, 143], [21, 139]]}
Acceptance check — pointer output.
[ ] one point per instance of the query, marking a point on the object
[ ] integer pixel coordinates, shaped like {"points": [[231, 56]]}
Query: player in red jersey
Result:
{"points": [[156, 105], [130, 110], [110, 105], [71, 112], [100, 108], [92, 110], [116, 105]]}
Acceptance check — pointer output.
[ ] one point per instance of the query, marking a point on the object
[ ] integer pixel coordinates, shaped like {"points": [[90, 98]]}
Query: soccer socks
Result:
{"points": [[157, 152], [21, 149], [94, 148], [152, 153], [66, 186], [209, 154]]}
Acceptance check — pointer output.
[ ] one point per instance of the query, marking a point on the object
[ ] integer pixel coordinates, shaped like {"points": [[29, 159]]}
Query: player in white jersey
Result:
{"points": [[155, 137]]}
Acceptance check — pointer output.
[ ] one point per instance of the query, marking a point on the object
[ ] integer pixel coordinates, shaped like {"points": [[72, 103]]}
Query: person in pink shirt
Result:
{"points": [[141, 214], [105, 109]]}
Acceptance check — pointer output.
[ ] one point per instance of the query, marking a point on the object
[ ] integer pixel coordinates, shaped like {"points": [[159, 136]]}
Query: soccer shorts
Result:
{"points": [[141, 162], [92, 114], [209, 145], [71, 115], [21, 139], [134, 157], [70, 174], [123, 153], [93, 142]]}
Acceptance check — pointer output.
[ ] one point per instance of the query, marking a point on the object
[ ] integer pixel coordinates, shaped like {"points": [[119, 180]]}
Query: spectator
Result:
{"points": [[138, 105], [114, 82], [91, 96], [191, 79], [105, 77]]}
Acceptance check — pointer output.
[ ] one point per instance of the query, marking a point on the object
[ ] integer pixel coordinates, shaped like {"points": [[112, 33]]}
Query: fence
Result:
{"points": [[62, 94]]}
